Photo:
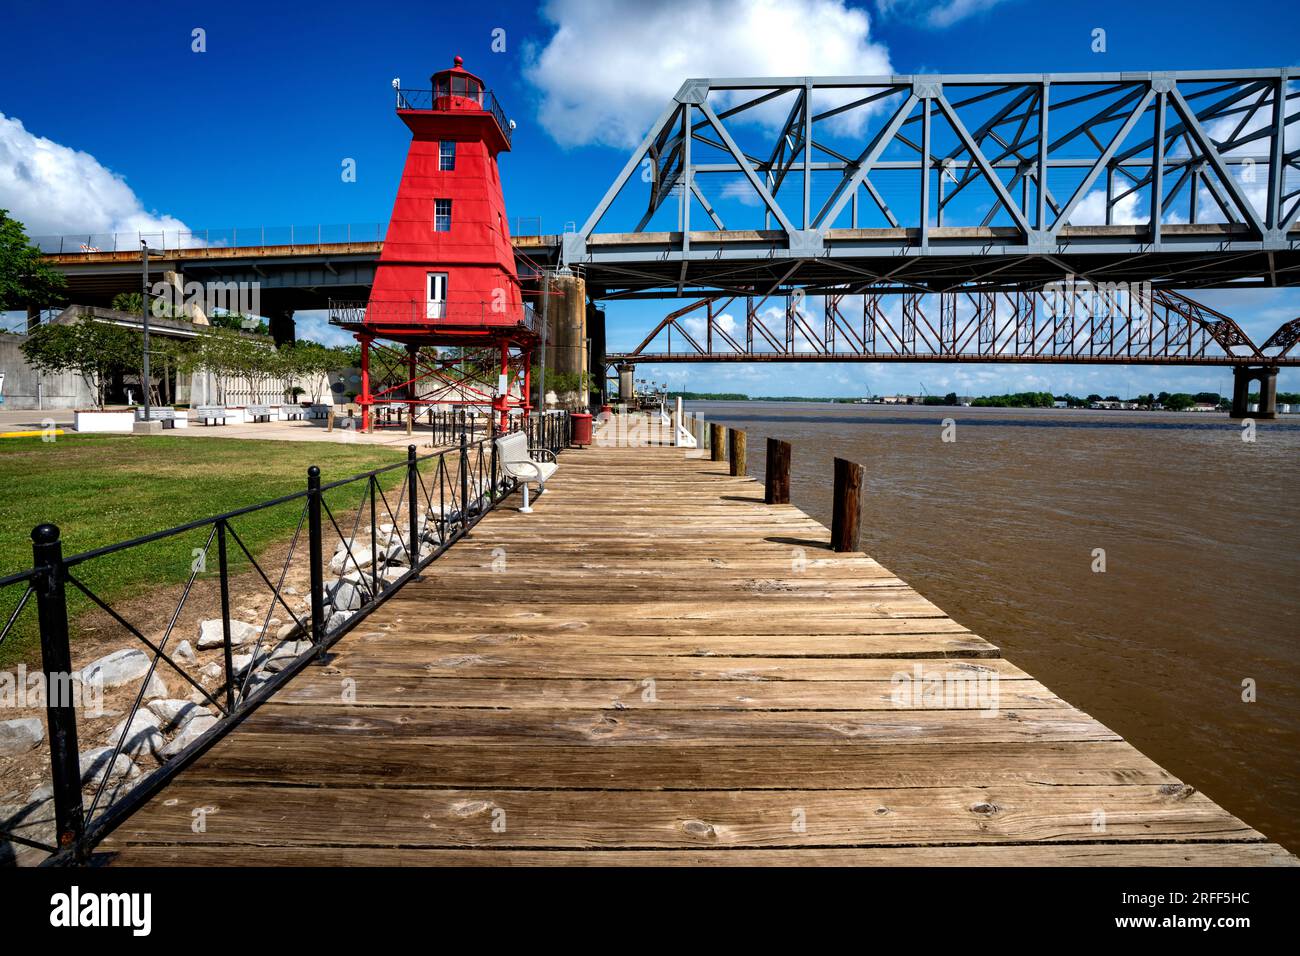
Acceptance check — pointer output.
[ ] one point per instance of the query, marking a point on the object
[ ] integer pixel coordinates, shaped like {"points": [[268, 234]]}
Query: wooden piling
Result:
{"points": [[718, 442], [847, 505], [738, 460], [777, 483]]}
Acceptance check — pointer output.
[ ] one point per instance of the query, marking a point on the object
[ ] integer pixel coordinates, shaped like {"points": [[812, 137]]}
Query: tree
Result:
{"points": [[127, 302], [237, 322], [92, 349], [311, 364], [1179, 401], [25, 279]]}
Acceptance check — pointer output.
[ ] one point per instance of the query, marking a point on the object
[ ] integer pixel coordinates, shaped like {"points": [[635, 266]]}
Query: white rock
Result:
{"points": [[213, 670], [142, 736], [240, 662], [20, 735], [94, 766], [189, 732], [185, 653], [344, 596], [287, 631], [291, 591], [210, 633], [114, 670], [175, 712], [157, 687], [360, 558]]}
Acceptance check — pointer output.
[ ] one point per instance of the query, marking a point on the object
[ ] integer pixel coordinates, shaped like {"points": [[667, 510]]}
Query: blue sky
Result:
{"points": [[254, 130]]}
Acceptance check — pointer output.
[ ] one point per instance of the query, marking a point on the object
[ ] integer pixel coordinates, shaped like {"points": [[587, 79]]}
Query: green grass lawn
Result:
{"points": [[101, 490]]}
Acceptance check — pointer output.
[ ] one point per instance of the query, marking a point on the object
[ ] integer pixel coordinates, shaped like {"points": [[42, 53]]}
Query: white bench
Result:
{"points": [[207, 414], [518, 462]]}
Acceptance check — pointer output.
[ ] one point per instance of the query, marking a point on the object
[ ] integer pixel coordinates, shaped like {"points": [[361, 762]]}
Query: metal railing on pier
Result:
{"points": [[354, 542]]}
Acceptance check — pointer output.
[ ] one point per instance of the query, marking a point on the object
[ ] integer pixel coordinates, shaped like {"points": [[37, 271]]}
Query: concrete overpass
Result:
{"points": [[290, 277]]}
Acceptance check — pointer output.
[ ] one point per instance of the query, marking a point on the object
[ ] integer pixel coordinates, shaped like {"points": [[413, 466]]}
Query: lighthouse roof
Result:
{"points": [[457, 78]]}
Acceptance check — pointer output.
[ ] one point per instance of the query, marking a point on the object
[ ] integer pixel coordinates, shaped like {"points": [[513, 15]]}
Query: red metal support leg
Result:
{"points": [[366, 399]]}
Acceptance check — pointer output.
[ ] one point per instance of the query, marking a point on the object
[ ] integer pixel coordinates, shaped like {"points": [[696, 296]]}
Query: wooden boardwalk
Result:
{"points": [[656, 667]]}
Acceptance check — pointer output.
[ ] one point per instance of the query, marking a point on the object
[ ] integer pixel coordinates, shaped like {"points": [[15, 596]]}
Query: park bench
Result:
{"points": [[292, 412], [522, 463], [207, 414], [258, 413]]}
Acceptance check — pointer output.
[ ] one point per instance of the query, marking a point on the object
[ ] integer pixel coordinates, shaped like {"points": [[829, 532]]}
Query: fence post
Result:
{"points": [[847, 505], [777, 485], [315, 543], [717, 442], [738, 458], [464, 483], [227, 653], [56, 662], [492, 470], [413, 505]]}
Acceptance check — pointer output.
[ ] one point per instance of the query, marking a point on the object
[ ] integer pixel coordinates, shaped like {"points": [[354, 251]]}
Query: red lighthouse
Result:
{"points": [[446, 276]]}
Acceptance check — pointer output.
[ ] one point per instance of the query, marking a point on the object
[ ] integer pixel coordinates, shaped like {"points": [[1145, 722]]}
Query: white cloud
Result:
{"points": [[53, 189], [741, 191], [314, 325], [1091, 210], [612, 67], [934, 14]]}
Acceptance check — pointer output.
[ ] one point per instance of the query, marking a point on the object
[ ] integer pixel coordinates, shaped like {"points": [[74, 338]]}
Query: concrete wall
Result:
{"points": [[24, 389]]}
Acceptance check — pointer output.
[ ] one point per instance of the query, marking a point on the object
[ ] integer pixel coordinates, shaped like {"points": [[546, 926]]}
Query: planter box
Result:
{"points": [[118, 421]]}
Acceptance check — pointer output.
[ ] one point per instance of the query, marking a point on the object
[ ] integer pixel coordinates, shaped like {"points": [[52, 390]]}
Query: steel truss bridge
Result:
{"points": [[932, 183], [1067, 323]]}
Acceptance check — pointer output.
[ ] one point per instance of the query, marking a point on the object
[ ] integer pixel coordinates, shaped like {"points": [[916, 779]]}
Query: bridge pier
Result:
{"points": [[280, 320], [566, 348], [626, 385], [1243, 376]]}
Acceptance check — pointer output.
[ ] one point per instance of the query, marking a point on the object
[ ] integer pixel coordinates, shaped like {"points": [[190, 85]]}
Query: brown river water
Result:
{"points": [[1201, 533]]}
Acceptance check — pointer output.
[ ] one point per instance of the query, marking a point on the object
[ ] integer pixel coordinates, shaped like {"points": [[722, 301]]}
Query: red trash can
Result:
{"points": [[580, 434]]}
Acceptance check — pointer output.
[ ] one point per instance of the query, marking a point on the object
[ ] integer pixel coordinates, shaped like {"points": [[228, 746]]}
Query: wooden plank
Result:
{"points": [[1128, 854], [356, 761], [504, 661], [680, 728], [251, 815], [652, 692]]}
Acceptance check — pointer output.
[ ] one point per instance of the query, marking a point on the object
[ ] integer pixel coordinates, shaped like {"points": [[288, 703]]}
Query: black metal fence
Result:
{"points": [[385, 526]]}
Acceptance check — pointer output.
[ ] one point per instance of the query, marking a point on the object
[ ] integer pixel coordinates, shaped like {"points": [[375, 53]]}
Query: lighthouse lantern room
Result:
{"points": [[446, 307]]}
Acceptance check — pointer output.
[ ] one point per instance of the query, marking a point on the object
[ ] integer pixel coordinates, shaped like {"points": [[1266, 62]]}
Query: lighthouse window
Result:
{"points": [[442, 215], [447, 155]]}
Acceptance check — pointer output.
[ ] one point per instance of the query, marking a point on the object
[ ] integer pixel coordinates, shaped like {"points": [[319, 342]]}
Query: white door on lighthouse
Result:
{"points": [[436, 304]]}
